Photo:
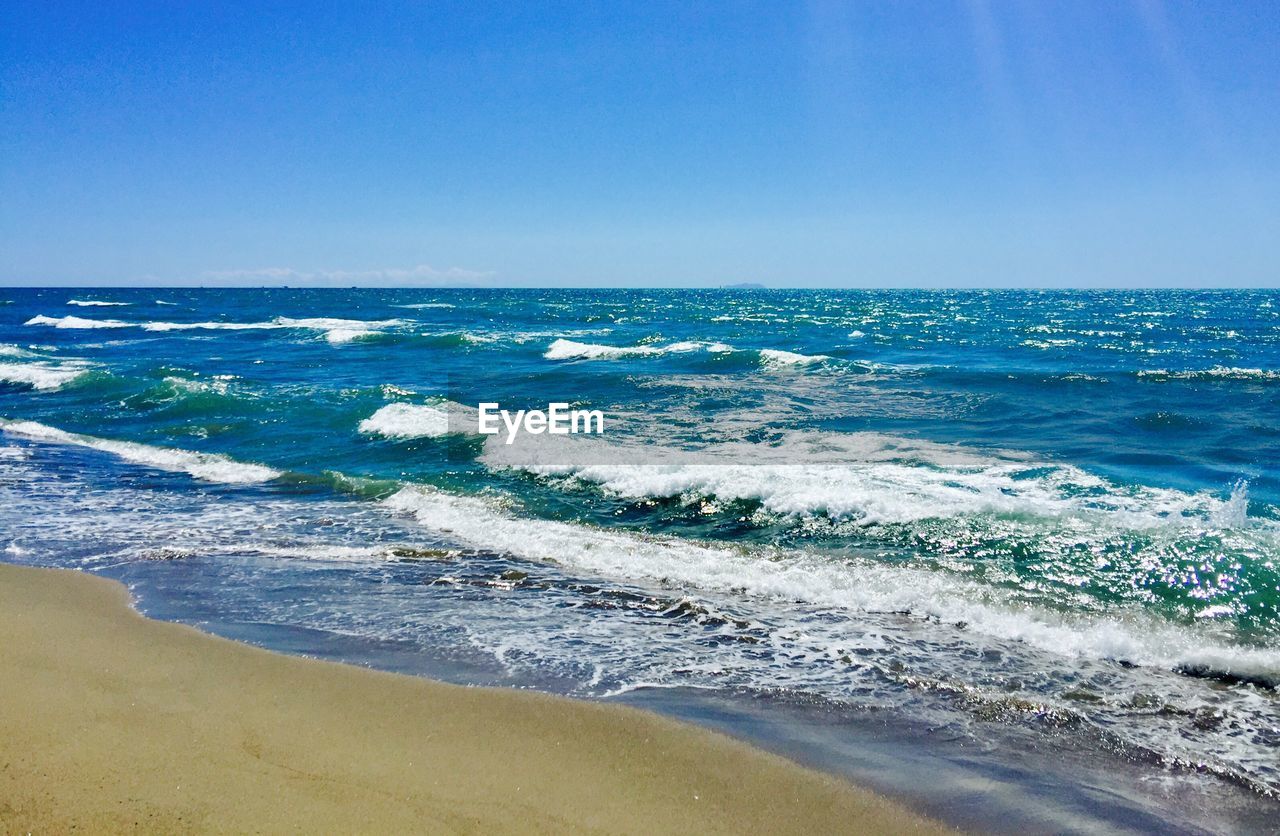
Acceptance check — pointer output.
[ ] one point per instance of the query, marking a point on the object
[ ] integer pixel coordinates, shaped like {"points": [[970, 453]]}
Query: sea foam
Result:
{"points": [[865, 478], [861, 585], [774, 357], [210, 467], [41, 376], [1214, 373], [406, 420], [38, 370], [430, 420], [564, 349], [76, 322], [337, 331], [94, 303]]}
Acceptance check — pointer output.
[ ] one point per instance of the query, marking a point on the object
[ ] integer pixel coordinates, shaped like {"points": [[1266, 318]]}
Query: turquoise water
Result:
{"points": [[977, 509]]}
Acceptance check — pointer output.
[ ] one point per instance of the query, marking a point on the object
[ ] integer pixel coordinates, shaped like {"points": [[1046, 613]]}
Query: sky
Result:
{"points": [[952, 143]]}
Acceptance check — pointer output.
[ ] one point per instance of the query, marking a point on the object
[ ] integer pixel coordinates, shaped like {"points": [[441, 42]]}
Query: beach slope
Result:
{"points": [[110, 721]]}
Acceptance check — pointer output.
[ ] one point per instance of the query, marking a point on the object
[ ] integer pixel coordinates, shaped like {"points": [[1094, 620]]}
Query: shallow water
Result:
{"points": [[1015, 529]]}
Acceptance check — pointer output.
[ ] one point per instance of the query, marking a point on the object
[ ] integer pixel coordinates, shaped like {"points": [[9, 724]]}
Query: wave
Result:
{"points": [[864, 478], [767, 572], [94, 303], [337, 331], [458, 338], [37, 370], [406, 420], [1215, 373], [210, 467], [854, 585], [421, 305], [76, 322], [430, 420], [341, 336], [774, 357], [205, 326], [41, 376], [324, 323], [184, 397], [563, 349]]}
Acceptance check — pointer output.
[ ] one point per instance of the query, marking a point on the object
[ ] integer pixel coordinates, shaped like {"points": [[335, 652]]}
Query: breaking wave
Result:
{"points": [[210, 467], [866, 478], [406, 420], [337, 331], [1215, 373], [38, 371], [564, 349], [853, 585]]}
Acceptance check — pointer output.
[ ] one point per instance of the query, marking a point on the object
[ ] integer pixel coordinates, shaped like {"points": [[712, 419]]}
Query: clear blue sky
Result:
{"points": [[975, 142]]}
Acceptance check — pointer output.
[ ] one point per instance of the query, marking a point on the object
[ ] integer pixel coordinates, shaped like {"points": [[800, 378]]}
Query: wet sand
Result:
{"points": [[110, 721]]}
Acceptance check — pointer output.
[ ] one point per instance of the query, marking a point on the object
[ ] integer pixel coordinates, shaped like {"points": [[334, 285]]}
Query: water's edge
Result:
{"points": [[960, 782]]}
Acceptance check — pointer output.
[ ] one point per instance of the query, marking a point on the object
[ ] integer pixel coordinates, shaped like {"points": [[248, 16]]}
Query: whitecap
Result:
{"points": [[210, 467], [341, 336], [774, 357], [337, 331], [429, 420], [855, 585], [563, 349], [1215, 373], [864, 478], [94, 303], [42, 376], [76, 322], [406, 420]]}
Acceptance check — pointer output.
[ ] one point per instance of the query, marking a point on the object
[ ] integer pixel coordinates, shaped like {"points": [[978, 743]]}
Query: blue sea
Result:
{"points": [[1013, 556]]}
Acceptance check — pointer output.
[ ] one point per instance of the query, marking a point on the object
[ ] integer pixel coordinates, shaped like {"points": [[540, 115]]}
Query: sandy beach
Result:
{"points": [[111, 721]]}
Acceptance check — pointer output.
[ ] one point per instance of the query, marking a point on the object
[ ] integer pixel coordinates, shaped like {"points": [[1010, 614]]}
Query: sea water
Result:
{"points": [[1005, 529]]}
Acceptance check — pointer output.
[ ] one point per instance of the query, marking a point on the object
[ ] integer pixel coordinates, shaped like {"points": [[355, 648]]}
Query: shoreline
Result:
{"points": [[114, 721]]}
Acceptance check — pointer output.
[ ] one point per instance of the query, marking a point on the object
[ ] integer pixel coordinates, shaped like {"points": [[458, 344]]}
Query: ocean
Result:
{"points": [[1029, 540]]}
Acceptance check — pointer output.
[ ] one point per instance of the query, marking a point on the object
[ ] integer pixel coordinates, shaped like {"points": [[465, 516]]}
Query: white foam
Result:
{"points": [[853, 585], [428, 305], [470, 337], [865, 478], [340, 336], [76, 322], [1215, 373], [208, 466], [774, 357], [207, 326], [406, 420], [43, 376], [94, 303], [563, 349], [337, 331], [324, 323]]}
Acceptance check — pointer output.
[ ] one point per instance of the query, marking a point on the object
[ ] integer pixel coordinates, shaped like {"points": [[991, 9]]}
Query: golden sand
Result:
{"points": [[111, 721]]}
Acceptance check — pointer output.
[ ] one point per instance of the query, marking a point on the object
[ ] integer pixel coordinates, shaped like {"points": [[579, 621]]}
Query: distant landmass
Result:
{"points": [[744, 286]]}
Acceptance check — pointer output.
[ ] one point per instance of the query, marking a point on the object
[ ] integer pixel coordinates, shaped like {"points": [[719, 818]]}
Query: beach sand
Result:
{"points": [[111, 721]]}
